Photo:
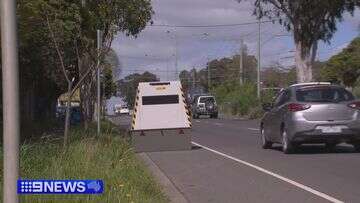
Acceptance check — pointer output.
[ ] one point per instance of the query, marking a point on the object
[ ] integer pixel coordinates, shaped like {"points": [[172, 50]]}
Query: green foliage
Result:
{"points": [[129, 84], [277, 76], [356, 91], [109, 86], [108, 157], [74, 24], [311, 20], [112, 16], [268, 95], [224, 69], [344, 67], [113, 61], [186, 79], [236, 99]]}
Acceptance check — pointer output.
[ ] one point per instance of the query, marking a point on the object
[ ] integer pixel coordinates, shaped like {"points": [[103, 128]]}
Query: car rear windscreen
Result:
{"points": [[161, 99], [323, 94], [207, 99]]}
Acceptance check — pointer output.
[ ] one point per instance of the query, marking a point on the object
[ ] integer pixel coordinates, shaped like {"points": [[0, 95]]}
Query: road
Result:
{"points": [[230, 166]]}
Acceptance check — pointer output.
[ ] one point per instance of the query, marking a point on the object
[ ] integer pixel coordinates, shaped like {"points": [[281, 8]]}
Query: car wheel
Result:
{"points": [[265, 144], [357, 147], [287, 146]]}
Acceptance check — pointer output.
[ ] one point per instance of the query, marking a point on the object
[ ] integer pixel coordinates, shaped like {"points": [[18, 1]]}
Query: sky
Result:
{"points": [[156, 47]]}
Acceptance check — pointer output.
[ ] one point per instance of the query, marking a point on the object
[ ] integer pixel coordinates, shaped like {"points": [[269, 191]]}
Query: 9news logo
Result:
{"points": [[60, 186]]}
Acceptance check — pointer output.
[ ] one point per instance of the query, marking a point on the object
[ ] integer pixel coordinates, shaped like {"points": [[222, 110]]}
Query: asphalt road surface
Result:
{"points": [[227, 164]]}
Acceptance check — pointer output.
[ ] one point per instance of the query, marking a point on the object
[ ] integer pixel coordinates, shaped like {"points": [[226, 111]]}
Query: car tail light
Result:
{"points": [[293, 107], [355, 105]]}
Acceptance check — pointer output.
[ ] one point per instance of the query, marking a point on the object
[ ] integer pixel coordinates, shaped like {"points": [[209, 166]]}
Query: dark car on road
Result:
{"points": [[311, 113], [204, 105]]}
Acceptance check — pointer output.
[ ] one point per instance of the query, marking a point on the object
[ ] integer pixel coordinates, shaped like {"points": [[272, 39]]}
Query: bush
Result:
{"points": [[256, 112], [108, 157], [236, 99]]}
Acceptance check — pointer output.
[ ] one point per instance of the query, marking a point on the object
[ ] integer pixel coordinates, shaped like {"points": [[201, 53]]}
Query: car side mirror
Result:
{"points": [[267, 106]]}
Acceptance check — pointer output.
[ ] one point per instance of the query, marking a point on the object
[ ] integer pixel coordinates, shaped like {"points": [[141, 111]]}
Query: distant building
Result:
{"points": [[75, 99]]}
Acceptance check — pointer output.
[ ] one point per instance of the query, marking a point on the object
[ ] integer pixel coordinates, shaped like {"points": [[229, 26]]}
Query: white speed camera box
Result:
{"points": [[161, 120]]}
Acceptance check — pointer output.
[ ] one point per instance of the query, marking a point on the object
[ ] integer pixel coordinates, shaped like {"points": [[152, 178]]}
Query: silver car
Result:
{"points": [[311, 113]]}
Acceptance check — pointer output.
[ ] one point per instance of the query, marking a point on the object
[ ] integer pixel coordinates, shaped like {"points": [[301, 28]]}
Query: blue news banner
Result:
{"points": [[60, 186]]}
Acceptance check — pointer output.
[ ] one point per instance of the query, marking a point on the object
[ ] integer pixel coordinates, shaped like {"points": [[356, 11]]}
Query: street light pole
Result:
{"points": [[10, 83], [176, 58], [98, 81], [194, 79], [241, 65], [258, 60], [176, 54], [209, 74]]}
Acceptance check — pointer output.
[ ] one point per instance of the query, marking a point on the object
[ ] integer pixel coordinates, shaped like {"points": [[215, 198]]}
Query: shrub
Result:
{"points": [[236, 99]]}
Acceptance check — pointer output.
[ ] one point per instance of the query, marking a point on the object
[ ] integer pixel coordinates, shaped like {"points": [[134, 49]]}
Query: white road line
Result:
{"points": [[197, 121], [218, 124], [299, 185], [255, 129]]}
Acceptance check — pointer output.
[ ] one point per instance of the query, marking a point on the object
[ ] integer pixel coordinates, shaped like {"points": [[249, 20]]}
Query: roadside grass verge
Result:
{"points": [[108, 157]]}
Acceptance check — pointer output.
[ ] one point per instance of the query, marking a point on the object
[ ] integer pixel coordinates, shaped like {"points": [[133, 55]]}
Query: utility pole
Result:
{"points": [[194, 79], [98, 81], [10, 85], [258, 60], [167, 69], [209, 75], [176, 54], [241, 65], [176, 58]]}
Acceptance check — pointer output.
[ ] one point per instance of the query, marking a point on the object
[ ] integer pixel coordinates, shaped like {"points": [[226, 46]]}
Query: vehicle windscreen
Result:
{"points": [[207, 99], [323, 94], [161, 99]]}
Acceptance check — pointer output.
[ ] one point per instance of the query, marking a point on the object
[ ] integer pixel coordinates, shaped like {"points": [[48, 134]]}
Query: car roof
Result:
{"points": [[206, 96], [201, 95], [317, 86], [310, 84]]}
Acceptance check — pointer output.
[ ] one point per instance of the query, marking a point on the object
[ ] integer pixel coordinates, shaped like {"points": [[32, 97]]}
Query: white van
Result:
{"points": [[161, 119]]}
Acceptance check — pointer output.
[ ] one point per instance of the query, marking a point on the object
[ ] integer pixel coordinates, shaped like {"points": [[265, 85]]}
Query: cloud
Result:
{"points": [[155, 49]]}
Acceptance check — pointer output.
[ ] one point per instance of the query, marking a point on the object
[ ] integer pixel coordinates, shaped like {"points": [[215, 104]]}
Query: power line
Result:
{"points": [[210, 26], [146, 57], [275, 36]]}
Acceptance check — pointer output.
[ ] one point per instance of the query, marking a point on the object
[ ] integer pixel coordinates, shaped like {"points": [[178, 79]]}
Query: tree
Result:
{"points": [[108, 84], [344, 67], [310, 21], [41, 82], [128, 86], [113, 60], [72, 29], [186, 80], [111, 17]]}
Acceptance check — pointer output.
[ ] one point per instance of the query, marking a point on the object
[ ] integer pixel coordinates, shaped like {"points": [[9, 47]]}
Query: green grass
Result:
{"points": [[109, 157]]}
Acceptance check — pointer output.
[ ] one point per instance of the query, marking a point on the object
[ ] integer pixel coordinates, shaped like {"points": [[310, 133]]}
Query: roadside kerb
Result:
{"points": [[174, 195]]}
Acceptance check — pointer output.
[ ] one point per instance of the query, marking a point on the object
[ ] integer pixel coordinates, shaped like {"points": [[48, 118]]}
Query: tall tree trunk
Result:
{"points": [[304, 59], [67, 115]]}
